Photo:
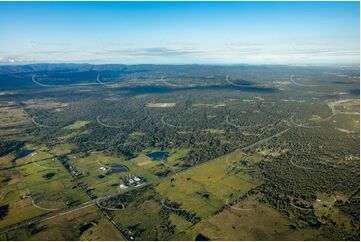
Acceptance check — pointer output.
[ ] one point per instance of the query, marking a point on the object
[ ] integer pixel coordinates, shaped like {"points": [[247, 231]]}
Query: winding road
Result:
{"points": [[299, 84], [106, 125], [232, 206], [236, 85], [49, 85], [239, 127]]}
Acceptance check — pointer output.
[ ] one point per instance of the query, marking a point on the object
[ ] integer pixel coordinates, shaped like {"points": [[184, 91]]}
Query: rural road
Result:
{"points": [[299, 84], [47, 85], [106, 125]]}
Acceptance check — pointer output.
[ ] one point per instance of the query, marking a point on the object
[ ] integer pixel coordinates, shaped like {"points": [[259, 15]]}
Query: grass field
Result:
{"points": [[77, 125], [103, 183], [174, 156], [43, 152], [146, 218], [99, 181], [37, 188], [45, 104], [13, 119], [84, 224], [259, 223], [216, 178]]}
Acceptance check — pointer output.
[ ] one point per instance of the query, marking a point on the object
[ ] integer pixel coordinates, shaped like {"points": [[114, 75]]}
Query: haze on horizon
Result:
{"points": [[300, 33]]}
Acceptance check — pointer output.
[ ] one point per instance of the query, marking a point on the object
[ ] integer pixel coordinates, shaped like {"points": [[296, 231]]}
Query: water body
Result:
{"points": [[118, 168], [201, 237], [159, 155], [21, 155], [85, 227]]}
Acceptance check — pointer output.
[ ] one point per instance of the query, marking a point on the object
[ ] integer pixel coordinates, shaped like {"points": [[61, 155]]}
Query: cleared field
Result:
{"points": [[100, 182], [83, 224], [348, 106], [6, 161], [177, 154], [35, 153], [37, 188], [161, 105], [206, 188], [77, 125], [326, 211], [174, 155], [346, 124], [103, 182], [45, 104], [259, 223], [144, 218], [201, 192], [13, 119]]}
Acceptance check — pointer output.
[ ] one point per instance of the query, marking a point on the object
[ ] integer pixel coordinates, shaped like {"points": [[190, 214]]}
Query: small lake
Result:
{"points": [[118, 168], [21, 155], [24, 153], [201, 237], [159, 155]]}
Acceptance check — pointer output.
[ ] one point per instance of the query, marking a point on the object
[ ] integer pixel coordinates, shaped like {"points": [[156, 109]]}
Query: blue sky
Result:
{"points": [[180, 32]]}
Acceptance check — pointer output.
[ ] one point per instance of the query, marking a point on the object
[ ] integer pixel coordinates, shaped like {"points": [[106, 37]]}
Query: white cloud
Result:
{"points": [[231, 52]]}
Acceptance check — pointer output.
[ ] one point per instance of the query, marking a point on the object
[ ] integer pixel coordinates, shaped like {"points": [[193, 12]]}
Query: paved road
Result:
{"points": [[299, 84], [168, 124], [301, 125], [46, 217], [236, 85], [41, 125], [265, 139], [106, 125], [170, 84], [48, 85], [238, 126]]}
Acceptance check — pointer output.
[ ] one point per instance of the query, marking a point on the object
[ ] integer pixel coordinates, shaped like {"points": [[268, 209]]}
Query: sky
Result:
{"points": [[293, 33]]}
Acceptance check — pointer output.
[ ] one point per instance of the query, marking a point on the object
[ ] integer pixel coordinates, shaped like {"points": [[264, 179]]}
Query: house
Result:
{"points": [[123, 186], [103, 168], [131, 180]]}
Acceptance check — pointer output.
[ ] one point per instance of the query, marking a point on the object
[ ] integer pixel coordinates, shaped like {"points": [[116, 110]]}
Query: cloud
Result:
{"points": [[182, 53], [150, 52], [48, 46], [287, 52]]}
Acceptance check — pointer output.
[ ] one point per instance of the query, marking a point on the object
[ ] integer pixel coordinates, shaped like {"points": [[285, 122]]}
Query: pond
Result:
{"points": [[158, 155], [85, 227], [21, 155], [24, 153], [118, 168], [201, 237]]}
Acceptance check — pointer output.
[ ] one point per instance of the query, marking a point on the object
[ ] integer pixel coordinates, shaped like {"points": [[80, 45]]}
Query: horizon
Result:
{"points": [[180, 33], [356, 65]]}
